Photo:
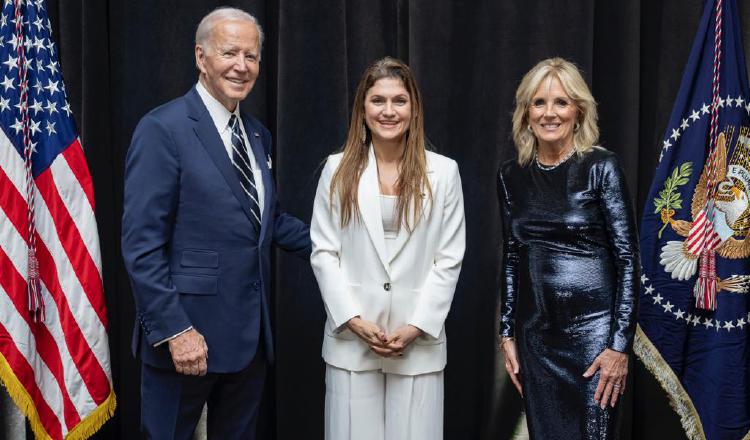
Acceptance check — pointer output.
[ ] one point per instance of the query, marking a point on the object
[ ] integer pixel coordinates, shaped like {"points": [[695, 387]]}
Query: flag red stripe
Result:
{"points": [[73, 243], [15, 285], [77, 163], [25, 375], [10, 197], [91, 371], [698, 233]]}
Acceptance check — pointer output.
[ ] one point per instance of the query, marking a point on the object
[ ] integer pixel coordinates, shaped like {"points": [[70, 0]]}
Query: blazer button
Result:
{"points": [[387, 287]]}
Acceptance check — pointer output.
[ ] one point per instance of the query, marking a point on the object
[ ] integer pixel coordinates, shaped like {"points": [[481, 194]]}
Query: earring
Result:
{"points": [[576, 127], [364, 133], [528, 127]]}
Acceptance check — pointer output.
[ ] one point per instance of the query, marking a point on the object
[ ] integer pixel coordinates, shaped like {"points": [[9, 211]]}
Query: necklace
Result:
{"points": [[554, 165]]}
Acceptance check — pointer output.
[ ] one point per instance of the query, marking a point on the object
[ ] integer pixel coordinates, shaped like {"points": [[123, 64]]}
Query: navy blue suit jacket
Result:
{"points": [[192, 253]]}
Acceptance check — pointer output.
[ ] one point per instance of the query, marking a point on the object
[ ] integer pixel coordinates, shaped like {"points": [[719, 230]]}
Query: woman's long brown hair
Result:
{"points": [[412, 179]]}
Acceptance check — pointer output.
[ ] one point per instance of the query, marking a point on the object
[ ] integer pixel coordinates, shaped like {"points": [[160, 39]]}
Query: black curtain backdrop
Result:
{"points": [[121, 58]]}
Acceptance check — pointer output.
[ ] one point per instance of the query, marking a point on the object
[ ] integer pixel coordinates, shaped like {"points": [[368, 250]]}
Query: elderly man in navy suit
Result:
{"points": [[200, 215]]}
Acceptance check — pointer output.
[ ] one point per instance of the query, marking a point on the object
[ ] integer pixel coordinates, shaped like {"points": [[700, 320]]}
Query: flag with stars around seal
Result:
{"points": [[693, 318]]}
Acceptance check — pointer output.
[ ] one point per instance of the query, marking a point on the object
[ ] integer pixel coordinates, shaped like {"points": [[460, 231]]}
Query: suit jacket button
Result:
{"points": [[387, 287]]}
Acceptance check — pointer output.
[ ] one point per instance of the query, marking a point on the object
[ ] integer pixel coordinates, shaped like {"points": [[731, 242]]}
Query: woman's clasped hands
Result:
{"points": [[380, 343]]}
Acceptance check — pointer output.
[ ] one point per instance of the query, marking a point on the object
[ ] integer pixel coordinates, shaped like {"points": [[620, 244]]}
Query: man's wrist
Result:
{"points": [[173, 336]]}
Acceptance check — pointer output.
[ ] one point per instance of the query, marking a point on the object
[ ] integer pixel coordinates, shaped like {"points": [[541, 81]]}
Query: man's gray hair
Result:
{"points": [[206, 26]]}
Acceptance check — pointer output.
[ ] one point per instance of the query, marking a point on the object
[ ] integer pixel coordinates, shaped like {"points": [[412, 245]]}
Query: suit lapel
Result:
{"points": [[399, 241], [403, 234], [369, 208], [205, 129], [256, 146]]}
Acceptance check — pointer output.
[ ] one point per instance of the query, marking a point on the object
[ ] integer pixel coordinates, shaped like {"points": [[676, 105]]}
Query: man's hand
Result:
{"points": [[189, 353]]}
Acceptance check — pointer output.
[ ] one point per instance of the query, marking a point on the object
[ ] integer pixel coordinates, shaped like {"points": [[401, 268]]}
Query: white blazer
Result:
{"points": [[414, 286]]}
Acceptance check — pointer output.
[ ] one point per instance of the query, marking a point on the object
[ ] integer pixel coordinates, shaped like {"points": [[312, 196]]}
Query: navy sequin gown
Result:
{"points": [[569, 286]]}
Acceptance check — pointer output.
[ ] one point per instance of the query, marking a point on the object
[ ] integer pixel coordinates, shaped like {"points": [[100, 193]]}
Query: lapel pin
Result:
{"points": [[256, 134], [269, 162]]}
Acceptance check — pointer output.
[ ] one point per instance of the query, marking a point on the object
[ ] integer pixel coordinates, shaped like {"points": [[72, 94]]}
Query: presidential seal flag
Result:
{"points": [[54, 354], [695, 244]]}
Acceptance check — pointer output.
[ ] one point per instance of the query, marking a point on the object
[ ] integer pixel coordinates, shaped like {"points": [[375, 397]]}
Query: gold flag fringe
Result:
{"points": [[678, 397], [83, 430], [88, 426]]}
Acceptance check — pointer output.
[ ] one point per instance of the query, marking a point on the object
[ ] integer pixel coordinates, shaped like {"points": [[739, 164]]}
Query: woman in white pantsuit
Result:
{"points": [[388, 239]]}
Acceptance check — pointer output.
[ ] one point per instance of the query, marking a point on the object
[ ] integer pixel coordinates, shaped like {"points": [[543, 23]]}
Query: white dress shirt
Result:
{"points": [[220, 115]]}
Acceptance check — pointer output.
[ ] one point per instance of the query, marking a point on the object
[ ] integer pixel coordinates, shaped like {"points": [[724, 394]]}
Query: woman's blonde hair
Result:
{"points": [[412, 180], [587, 133]]}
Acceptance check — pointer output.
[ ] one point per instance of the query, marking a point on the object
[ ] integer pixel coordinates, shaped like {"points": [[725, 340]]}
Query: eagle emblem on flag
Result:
{"points": [[723, 233]]}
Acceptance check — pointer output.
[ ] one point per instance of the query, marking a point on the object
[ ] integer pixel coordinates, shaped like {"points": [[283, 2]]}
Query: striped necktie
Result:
{"points": [[241, 162]]}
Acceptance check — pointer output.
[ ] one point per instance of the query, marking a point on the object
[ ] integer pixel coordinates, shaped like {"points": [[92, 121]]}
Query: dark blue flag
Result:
{"points": [[694, 319]]}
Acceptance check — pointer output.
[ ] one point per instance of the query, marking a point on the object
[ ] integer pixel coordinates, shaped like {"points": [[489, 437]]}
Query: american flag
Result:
{"points": [[54, 353]]}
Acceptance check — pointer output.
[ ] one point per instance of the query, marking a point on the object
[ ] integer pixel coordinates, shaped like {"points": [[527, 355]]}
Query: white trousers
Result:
{"points": [[372, 405]]}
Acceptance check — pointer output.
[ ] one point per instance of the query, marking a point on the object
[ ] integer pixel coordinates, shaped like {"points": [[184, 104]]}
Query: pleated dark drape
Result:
{"points": [[121, 58]]}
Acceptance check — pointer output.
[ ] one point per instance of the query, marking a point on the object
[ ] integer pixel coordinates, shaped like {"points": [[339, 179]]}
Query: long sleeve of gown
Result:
{"points": [[615, 202], [509, 265]]}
